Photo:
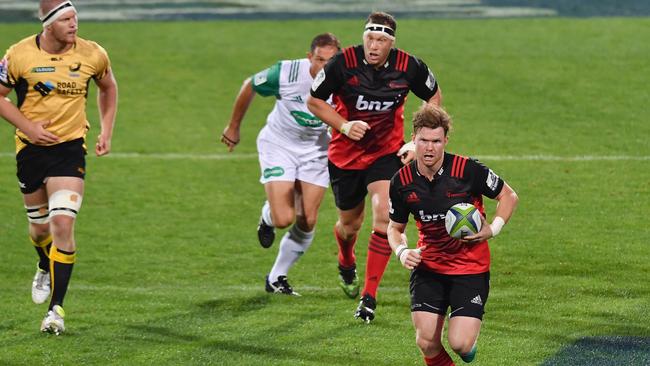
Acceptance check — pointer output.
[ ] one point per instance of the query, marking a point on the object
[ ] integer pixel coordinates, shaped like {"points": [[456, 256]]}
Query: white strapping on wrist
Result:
{"points": [[497, 225], [400, 248]]}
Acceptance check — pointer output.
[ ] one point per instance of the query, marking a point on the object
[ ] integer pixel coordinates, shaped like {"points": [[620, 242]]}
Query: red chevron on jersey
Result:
{"points": [[458, 166], [406, 175], [402, 60], [350, 57]]}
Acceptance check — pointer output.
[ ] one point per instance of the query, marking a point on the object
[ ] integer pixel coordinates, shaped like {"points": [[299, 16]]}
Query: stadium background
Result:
{"points": [[551, 94]]}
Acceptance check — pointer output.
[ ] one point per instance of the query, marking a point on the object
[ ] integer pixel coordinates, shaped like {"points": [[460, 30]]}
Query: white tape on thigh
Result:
{"points": [[38, 214], [65, 202]]}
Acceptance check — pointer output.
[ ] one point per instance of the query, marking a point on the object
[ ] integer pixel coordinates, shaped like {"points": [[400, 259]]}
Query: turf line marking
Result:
{"points": [[248, 156], [228, 288]]}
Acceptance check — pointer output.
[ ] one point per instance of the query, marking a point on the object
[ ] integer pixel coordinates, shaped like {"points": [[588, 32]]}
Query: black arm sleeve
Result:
{"points": [[398, 211], [484, 180], [330, 79], [421, 79]]}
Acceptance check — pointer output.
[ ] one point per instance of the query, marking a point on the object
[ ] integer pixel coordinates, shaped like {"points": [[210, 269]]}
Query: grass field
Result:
{"points": [[169, 270]]}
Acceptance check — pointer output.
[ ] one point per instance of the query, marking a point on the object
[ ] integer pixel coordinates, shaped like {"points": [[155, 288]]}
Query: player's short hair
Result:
{"points": [[46, 5], [431, 116], [379, 17], [325, 39]]}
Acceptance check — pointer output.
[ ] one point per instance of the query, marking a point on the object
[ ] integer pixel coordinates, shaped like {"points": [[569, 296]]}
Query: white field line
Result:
{"points": [[249, 156], [229, 288]]}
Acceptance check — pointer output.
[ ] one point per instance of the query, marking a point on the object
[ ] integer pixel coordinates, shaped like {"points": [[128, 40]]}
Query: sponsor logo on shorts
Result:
{"points": [[477, 300], [306, 119], [276, 171]]}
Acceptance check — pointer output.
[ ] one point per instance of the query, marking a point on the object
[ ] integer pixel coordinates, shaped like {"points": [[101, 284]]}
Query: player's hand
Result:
{"points": [[230, 137], [409, 258], [37, 134], [406, 153], [484, 234], [355, 130], [103, 145]]}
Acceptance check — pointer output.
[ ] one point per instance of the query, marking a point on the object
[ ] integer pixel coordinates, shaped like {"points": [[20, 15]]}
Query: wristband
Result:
{"points": [[496, 225], [345, 128], [399, 250]]}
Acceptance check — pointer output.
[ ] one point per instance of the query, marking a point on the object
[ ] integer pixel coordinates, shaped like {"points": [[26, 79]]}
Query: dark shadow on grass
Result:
{"points": [[604, 351], [165, 333], [235, 305], [270, 349]]}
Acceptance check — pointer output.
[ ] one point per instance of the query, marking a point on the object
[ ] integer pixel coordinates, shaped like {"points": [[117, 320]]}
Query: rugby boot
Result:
{"points": [[40, 286], [265, 234], [53, 322], [348, 281], [366, 309], [281, 286]]}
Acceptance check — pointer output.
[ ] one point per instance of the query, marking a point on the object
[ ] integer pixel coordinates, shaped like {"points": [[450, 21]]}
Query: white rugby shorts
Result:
{"points": [[290, 162]]}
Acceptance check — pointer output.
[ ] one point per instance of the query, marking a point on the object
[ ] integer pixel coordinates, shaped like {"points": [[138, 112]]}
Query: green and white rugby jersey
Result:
{"points": [[290, 120]]}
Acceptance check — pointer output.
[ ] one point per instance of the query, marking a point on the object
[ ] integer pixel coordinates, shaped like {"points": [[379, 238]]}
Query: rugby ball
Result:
{"points": [[462, 219]]}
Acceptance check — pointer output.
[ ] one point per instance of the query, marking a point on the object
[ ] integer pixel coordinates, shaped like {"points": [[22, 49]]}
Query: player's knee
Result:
{"points": [[349, 230], [460, 344], [427, 346], [306, 223], [39, 232], [282, 219], [61, 226], [38, 215]]}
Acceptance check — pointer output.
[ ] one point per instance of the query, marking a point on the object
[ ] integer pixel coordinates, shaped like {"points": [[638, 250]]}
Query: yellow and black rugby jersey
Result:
{"points": [[53, 87]]}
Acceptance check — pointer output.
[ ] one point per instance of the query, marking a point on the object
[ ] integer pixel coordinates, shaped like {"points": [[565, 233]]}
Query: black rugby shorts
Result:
{"points": [[35, 163], [466, 295], [351, 186]]}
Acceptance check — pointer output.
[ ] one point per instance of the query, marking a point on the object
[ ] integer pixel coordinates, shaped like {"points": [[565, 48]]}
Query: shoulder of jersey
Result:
{"points": [[87, 44], [401, 59], [406, 174], [458, 164], [25, 44], [292, 69], [351, 57]]}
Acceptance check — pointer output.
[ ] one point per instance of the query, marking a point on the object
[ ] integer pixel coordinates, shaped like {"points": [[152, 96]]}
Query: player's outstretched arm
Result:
{"points": [[230, 136], [35, 132], [107, 103]]}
